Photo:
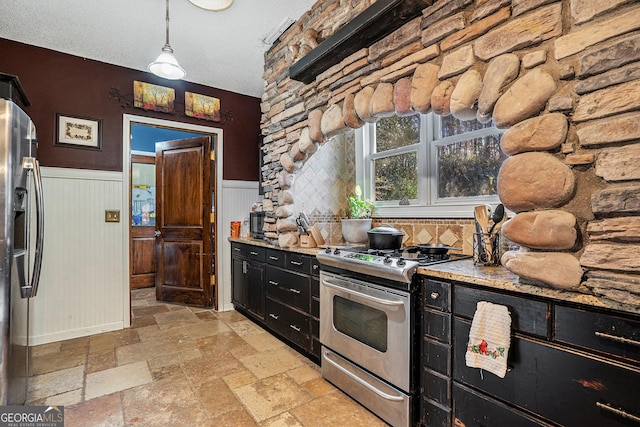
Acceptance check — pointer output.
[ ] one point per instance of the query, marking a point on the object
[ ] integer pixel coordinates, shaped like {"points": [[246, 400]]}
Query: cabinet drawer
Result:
{"points": [[471, 408], [619, 336], [238, 249], [289, 323], [315, 267], [256, 253], [275, 258], [315, 307], [437, 294], [435, 415], [437, 356], [288, 287], [561, 385], [437, 324], [529, 316], [437, 387], [298, 262]]}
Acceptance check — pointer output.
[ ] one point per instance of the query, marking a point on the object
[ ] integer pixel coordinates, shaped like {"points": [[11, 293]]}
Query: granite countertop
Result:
{"points": [[498, 277], [262, 243]]}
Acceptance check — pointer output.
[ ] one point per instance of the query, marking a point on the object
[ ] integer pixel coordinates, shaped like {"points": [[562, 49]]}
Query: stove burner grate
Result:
{"points": [[413, 253]]}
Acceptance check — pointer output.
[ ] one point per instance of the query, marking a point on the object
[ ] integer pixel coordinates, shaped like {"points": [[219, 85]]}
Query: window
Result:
{"points": [[428, 165]]}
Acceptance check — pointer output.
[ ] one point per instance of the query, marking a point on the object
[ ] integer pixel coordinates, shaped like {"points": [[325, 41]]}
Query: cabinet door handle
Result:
{"points": [[616, 338], [619, 412], [237, 249], [245, 266], [295, 291], [254, 253], [274, 258], [295, 328], [298, 263], [274, 316], [315, 266], [271, 282], [434, 295]]}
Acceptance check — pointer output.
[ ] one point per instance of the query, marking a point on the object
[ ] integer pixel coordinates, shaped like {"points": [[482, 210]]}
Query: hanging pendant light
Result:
{"points": [[214, 5], [166, 66]]}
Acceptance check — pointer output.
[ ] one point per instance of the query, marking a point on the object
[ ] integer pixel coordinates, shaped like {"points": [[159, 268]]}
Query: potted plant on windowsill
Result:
{"points": [[354, 228]]}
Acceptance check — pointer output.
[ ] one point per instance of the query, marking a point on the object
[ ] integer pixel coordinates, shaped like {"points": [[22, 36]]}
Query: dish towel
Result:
{"points": [[489, 338]]}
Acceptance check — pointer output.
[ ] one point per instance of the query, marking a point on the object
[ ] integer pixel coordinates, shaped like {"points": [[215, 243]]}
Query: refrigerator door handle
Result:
{"points": [[32, 164]]}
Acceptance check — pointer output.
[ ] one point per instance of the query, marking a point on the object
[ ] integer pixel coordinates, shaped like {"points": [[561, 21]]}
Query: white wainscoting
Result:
{"points": [[81, 289], [84, 288], [237, 198]]}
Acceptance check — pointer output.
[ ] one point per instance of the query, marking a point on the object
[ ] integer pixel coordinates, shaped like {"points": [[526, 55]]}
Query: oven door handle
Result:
{"points": [[361, 381], [362, 295]]}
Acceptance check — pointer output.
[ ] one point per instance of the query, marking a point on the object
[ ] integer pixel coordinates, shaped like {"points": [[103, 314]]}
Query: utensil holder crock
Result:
{"points": [[486, 249]]}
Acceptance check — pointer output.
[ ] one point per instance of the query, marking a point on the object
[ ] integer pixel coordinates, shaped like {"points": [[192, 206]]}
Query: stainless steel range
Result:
{"points": [[368, 304]]}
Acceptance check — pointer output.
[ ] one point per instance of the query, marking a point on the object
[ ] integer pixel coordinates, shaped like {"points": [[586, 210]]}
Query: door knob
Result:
{"points": [[157, 233]]}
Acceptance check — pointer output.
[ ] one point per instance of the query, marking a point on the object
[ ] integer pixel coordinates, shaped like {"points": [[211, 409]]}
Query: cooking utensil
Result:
{"points": [[385, 237], [301, 225], [496, 217], [305, 218], [435, 248], [481, 215]]}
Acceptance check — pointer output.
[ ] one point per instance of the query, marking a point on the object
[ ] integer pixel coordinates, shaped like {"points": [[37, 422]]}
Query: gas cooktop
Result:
{"points": [[399, 264]]}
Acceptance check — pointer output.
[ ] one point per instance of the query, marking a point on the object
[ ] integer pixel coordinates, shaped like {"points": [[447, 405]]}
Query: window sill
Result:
{"points": [[457, 210]]}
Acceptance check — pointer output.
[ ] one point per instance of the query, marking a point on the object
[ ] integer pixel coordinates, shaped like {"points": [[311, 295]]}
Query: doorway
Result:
{"points": [[137, 159]]}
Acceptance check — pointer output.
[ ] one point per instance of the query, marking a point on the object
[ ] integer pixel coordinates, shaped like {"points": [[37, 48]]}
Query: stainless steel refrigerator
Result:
{"points": [[21, 237]]}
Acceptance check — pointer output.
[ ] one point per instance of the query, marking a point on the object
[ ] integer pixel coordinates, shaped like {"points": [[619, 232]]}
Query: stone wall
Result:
{"points": [[562, 76]]}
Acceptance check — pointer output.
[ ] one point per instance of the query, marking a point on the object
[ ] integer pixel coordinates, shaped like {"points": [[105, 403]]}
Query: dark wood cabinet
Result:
{"points": [[568, 364], [239, 281], [279, 289], [247, 279]]}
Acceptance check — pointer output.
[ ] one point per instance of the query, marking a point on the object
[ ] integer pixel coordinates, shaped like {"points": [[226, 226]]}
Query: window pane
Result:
{"points": [[143, 194], [450, 126], [396, 177], [469, 168], [394, 132]]}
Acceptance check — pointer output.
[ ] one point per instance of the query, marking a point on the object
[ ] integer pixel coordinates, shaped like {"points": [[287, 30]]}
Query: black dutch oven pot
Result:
{"points": [[385, 237]]}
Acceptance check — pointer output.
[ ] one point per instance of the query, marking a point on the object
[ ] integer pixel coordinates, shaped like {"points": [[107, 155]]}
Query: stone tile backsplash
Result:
{"points": [[321, 186]]}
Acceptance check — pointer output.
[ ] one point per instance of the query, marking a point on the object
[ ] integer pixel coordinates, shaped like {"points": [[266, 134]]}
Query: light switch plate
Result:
{"points": [[111, 216]]}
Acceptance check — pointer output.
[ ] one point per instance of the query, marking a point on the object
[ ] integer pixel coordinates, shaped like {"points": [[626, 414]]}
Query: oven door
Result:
{"points": [[367, 324]]}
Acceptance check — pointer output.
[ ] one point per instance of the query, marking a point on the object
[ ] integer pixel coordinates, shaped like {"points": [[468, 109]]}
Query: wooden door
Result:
{"points": [[142, 243], [183, 221]]}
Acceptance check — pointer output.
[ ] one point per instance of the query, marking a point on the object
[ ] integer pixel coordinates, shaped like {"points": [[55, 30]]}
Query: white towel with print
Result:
{"points": [[489, 338]]}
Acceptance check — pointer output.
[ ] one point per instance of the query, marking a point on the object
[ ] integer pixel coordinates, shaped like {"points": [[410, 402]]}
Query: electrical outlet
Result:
{"points": [[111, 216]]}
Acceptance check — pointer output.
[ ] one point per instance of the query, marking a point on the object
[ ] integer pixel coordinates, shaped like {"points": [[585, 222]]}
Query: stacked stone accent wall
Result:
{"points": [[563, 77]]}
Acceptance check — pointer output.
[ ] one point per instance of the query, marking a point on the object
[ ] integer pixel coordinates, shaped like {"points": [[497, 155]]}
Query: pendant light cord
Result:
{"points": [[167, 45]]}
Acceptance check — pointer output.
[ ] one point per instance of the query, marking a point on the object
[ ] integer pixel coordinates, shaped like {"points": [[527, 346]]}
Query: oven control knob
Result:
{"points": [[327, 251], [400, 262], [387, 259]]}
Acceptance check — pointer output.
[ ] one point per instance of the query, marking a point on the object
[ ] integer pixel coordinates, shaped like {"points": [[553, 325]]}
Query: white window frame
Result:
{"points": [[426, 205]]}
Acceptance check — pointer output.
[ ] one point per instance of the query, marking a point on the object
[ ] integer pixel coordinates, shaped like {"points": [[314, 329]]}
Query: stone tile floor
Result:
{"points": [[181, 365]]}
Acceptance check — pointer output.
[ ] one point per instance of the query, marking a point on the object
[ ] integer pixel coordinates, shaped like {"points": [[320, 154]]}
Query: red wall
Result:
{"points": [[60, 83]]}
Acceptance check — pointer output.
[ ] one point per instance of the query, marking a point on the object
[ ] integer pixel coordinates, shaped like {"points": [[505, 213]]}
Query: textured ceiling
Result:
{"points": [[219, 49]]}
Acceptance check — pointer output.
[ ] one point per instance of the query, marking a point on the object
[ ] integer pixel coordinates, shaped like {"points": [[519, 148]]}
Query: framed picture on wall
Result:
{"points": [[153, 97], [201, 106], [79, 132]]}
